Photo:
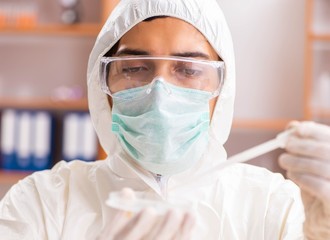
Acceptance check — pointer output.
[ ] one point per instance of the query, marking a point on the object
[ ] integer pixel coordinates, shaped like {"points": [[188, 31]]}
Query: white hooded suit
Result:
{"points": [[239, 202]]}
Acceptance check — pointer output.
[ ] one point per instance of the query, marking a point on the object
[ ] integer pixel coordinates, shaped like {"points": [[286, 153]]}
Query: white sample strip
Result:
{"points": [[278, 142]]}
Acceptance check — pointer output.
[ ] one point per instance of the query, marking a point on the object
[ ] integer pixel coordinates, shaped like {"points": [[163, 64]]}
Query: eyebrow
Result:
{"points": [[130, 51], [137, 52], [192, 55]]}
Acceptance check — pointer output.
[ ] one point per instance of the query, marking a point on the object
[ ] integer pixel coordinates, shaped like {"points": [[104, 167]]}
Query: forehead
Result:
{"points": [[164, 36]]}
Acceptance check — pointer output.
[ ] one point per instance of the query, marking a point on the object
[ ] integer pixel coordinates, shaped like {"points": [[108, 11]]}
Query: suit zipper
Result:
{"points": [[162, 182]]}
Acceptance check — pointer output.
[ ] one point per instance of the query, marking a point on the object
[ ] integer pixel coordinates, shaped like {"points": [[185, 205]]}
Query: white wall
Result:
{"points": [[269, 41], [269, 47]]}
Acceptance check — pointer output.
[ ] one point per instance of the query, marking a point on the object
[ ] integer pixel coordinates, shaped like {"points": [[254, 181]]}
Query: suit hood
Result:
{"points": [[205, 16]]}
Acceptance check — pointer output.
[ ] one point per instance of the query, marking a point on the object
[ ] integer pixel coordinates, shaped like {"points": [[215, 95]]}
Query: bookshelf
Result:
{"points": [[317, 61], [43, 103], [270, 124], [10, 177], [78, 30], [82, 33], [316, 95]]}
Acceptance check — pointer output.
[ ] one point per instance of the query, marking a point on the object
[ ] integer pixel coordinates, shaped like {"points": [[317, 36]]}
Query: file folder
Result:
{"points": [[43, 141], [26, 140], [8, 151], [89, 146], [79, 137], [71, 136]]}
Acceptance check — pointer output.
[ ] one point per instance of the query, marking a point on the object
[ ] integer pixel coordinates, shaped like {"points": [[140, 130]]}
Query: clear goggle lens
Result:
{"points": [[123, 73]]}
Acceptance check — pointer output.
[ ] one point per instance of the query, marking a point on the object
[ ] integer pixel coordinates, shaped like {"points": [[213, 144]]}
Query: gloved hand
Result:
{"points": [[149, 224], [307, 162]]}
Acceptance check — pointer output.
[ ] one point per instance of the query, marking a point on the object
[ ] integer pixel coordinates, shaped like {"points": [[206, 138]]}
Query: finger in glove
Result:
{"points": [[298, 164]]}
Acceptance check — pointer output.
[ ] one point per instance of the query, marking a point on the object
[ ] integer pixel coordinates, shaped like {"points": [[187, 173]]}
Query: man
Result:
{"points": [[161, 81]]}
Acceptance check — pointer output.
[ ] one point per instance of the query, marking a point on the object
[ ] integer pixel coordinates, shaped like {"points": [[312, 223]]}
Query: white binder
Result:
{"points": [[79, 137], [89, 146], [8, 126], [42, 140], [71, 136], [24, 139]]}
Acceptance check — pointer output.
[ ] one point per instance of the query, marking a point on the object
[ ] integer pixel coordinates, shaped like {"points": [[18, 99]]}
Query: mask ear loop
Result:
{"points": [[158, 80]]}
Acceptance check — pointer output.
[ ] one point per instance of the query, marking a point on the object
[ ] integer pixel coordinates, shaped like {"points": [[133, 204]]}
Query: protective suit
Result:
{"points": [[239, 202]]}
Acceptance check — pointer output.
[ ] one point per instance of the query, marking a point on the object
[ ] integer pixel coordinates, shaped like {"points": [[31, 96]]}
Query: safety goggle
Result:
{"points": [[123, 73]]}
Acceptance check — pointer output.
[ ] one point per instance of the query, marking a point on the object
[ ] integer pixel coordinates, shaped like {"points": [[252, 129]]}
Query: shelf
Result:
{"points": [[279, 124], [43, 103], [83, 29], [321, 114], [12, 177], [319, 36]]}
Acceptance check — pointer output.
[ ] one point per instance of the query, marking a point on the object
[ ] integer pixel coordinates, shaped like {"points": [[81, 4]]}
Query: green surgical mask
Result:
{"points": [[166, 130]]}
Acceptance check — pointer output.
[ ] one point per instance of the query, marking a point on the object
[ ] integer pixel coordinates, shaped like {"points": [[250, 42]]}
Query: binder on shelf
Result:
{"points": [[27, 140], [79, 137], [70, 137], [7, 148], [43, 142], [89, 145], [24, 140]]}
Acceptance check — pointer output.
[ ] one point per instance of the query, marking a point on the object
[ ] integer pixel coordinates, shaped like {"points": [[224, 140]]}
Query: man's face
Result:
{"points": [[167, 36]]}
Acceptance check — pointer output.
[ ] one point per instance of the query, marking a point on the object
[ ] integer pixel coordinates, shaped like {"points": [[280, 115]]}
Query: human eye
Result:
{"points": [[132, 70], [134, 67], [189, 70]]}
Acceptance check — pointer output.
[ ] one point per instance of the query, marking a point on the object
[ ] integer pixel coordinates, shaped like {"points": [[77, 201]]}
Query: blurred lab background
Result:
{"points": [[282, 53]]}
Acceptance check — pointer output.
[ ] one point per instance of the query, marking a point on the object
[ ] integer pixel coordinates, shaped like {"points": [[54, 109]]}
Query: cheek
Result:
{"points": [[212, 104]]}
